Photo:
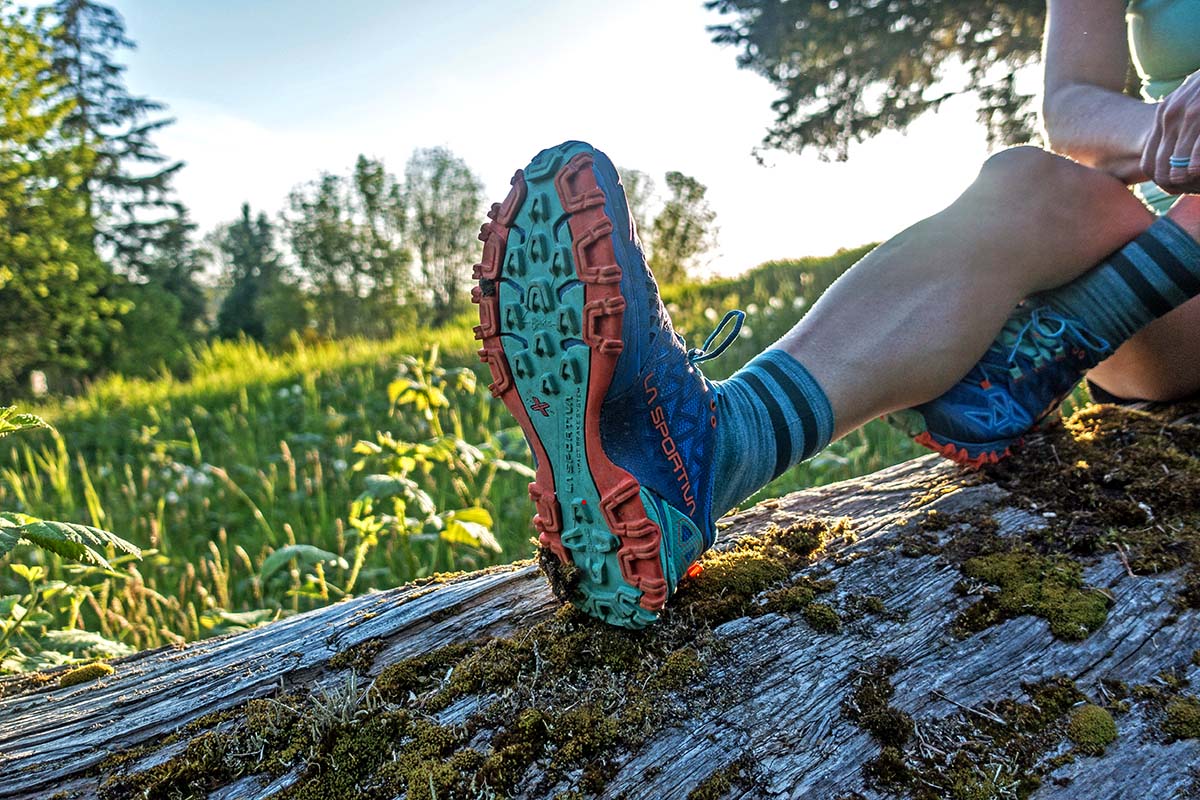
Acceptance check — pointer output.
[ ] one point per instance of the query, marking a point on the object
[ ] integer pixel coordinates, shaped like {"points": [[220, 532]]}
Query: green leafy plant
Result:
{"points": [[29, 637], [429, 496]]}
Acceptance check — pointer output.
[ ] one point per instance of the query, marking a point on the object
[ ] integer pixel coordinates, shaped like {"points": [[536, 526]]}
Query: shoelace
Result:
{"points": [[1040, 338], [698, 355]]}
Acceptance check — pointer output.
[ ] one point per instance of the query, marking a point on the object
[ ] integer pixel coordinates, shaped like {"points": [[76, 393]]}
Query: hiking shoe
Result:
{"points": [[620, 421], [1024, 376]]}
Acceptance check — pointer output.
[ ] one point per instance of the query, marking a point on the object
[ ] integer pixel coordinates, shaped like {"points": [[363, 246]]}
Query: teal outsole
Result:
{"points": [[553, 347]]}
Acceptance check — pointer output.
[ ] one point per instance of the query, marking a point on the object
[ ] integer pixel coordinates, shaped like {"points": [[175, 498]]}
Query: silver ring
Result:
{"points": [[1180, 162]]}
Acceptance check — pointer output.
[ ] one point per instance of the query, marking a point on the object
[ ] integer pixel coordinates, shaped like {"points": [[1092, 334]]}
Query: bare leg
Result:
{"points": [[1161, 362], [909, 320]]}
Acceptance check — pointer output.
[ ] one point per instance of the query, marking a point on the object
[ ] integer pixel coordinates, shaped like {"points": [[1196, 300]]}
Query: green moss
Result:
{"points": [[888, 770], [1091, 729], [360, 657], [1183, 718], [680, 669], [868, 704], [731, 579], [201, 766], [84, 674], [822, 618], [419, 673], [1047, 587], [718, 784]]}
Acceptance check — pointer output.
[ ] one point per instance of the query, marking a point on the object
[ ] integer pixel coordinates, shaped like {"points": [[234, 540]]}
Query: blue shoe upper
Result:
{"points": [[1033, 364], [659, 418]]}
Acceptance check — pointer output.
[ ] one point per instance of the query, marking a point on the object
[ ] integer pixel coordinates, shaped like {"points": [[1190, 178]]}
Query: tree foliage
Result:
{"points": [[848, 69], [252, 270], [55, 308], [345, 233], [444, 199], [128, 184], [684, 229]]}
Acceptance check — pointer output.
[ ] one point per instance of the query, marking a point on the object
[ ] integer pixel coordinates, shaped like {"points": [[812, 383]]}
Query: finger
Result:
{"points": [[1166, 147], [1182, 152]]}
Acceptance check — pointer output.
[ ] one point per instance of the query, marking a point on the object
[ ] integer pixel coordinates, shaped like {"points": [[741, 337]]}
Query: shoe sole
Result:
{"points": [[974, 456], [550, 319]]}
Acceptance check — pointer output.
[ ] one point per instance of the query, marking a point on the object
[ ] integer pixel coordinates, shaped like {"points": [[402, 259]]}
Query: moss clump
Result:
{"points": [[680, 669], [360, 657], [868, 704], [996, 750], [822, 618], [1183, 718], [1047, 587], [718, 784], [84, 674], [416, 674], [731, 579], [888, 770], [1091, 729], [1117, 477], [201, 766], [797, 596]]}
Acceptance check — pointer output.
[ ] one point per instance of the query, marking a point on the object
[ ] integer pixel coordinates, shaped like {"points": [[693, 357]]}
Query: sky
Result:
{"points": [[269, 93]]}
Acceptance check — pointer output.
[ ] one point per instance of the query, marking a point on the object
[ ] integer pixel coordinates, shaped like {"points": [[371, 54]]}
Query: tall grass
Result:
{"points": [[239, 480]]}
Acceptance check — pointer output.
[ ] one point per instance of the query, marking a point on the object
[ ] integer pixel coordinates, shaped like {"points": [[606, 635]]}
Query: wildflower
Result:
{"points": [[752, 309], [282, 393], [339, 465], [746, 332], [710, 314], [296, 390], [775, 302], [798, 302], [172, 498]]}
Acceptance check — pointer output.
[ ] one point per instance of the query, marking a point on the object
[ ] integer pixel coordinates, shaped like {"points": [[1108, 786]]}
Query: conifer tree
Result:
{"points": [[253, 269], [128, 185], [56, 309]]}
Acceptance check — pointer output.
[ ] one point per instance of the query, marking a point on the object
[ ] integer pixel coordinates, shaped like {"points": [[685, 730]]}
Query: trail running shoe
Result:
{"points": [[1024, 376], [621, 423]]}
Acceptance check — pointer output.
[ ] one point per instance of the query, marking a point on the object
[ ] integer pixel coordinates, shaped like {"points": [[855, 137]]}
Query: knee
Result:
{"points": [[1058, 190], [1036, 172]]}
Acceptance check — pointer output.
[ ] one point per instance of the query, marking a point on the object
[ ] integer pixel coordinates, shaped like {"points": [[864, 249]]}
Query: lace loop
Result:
{"points": [[1040, 338], [698, 355]]}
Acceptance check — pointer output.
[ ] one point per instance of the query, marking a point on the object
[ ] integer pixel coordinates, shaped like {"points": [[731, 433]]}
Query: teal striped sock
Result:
{"points": [[1153, 274], [773, 415]]}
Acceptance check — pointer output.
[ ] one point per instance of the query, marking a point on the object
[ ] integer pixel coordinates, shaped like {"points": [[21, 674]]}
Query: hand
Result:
{"points": [[1176, 137]]}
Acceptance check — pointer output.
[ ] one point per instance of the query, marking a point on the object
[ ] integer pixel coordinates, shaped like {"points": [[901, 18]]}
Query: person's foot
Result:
{"points": [[1024, 376], [621, 423]]}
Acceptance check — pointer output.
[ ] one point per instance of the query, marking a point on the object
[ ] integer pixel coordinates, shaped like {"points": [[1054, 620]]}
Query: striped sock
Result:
{"points": [[1153, 274], [773, 415]]}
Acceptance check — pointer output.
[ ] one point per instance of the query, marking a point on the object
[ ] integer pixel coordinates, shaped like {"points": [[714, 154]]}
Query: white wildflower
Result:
{"points": [[172, 498], [798, 302], [775, 302], [746, 332], [710, 314], [339, 465], [752, 309]]}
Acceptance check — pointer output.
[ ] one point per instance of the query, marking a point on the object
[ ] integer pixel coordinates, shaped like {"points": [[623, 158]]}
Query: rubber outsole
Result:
{"points": [[550, 320], [973, 456]]}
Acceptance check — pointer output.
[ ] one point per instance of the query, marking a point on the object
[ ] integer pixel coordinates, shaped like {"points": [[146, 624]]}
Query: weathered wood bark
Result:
{"points": [[782, 686]]}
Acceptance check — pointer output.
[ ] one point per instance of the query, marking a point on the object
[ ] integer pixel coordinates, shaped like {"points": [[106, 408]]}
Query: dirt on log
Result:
{"points": [[1027, 631]]}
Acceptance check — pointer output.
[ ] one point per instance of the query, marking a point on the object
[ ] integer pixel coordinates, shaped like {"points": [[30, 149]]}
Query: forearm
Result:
{"points": [[1098, 127]]}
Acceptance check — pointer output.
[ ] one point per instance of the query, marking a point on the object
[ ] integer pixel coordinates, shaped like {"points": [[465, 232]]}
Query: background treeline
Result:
{"points": [[101, 269]]}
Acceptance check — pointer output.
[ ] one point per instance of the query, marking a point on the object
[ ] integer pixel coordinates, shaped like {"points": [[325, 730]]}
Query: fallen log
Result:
{"points": [[1029, 631]]}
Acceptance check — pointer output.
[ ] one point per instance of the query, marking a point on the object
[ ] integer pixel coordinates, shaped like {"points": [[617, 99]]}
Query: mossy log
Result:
{"points": [[1028, 631]]}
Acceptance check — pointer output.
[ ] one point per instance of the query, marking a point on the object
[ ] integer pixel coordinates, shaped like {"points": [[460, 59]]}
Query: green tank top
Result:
{"points": [[1164, 39]]}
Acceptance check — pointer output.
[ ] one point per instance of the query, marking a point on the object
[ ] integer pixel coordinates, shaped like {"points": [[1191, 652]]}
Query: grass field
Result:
{"points": [[261, 485]]}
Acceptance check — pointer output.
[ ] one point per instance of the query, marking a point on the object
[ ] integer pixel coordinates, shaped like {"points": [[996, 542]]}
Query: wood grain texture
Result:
{"points": [[780, 686]]}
